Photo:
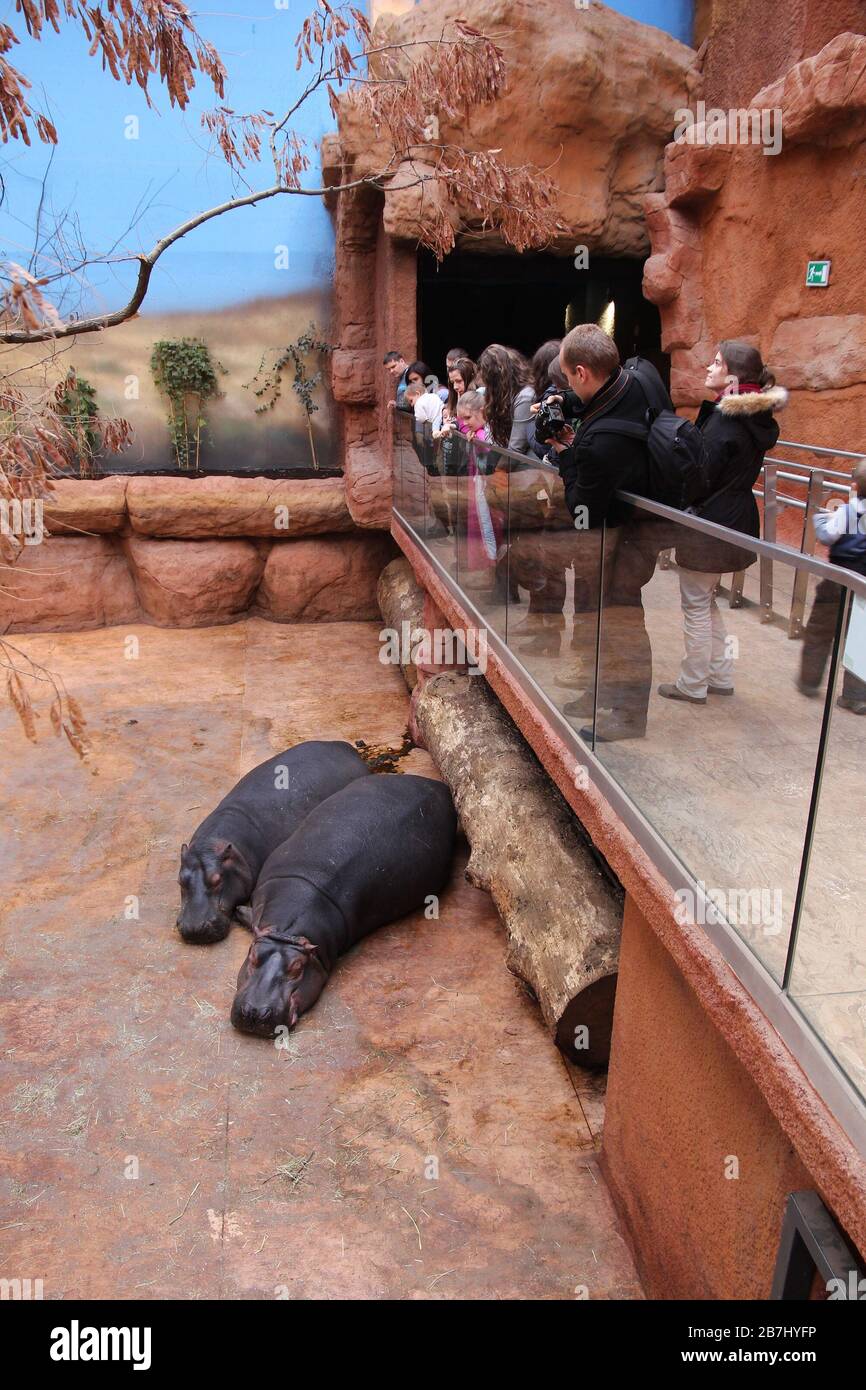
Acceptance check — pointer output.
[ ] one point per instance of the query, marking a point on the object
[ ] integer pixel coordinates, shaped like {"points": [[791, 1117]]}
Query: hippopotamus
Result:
{"points": [[220, 865], [368, 855]]}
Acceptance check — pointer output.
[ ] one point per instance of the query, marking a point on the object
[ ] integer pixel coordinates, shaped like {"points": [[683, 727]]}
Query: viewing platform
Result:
{"points": [[729, 824]]}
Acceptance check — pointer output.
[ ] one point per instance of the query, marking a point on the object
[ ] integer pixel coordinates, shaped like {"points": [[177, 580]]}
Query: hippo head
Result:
{"points": [[213, 880], [279, 980]]}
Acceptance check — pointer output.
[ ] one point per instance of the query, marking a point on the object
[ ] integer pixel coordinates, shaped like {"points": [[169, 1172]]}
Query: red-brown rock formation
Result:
{"points": [[194, 583], [735, 228], [590, 94], [327, 579], [66, 584], [229, 506]]}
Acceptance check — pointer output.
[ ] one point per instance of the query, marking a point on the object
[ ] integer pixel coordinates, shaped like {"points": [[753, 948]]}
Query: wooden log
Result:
{"points": [[401, 600], [561, 906]]}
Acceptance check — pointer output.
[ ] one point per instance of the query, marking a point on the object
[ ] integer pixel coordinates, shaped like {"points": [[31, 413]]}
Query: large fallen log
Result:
{"points": [[562, 910], [401, 601]]}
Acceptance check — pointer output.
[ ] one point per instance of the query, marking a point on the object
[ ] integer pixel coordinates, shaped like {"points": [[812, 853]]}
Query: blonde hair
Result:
{"points": [[470, 403]]}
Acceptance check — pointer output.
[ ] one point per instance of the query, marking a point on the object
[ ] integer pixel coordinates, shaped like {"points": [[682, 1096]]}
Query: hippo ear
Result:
{"points": [[227, 853], [183, 851]]}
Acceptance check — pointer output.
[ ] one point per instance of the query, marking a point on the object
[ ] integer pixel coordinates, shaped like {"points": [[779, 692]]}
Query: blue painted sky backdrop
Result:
{"points": [[674, 16], [105, 176], [163, 176]]}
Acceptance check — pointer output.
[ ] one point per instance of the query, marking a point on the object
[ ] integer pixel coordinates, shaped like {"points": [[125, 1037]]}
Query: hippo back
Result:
{"points": [[377, 848], [269, 803]]}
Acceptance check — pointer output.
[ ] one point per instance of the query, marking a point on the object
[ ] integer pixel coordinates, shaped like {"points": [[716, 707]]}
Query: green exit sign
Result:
{"points": [[818, 273]]}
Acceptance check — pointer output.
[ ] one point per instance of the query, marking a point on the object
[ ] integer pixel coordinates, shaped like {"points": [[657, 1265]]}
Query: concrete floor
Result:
{"points": [[420, 1138]]}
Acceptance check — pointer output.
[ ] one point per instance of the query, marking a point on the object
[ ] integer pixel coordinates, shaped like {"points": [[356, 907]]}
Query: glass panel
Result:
{"points": [[482, 547], [397, 481], [828, 977], [555, 568], [445, 461], [725, 779], [418, 450]]}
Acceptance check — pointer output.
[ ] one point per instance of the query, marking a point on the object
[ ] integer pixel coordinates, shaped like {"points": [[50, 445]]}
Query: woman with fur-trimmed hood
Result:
{"points": [[738, 429]]}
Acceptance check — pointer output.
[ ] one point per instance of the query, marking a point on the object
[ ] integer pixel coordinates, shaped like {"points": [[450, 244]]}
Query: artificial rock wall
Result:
{"points": [[732, 233], [590, 93], [193, 552], [728, 229]]}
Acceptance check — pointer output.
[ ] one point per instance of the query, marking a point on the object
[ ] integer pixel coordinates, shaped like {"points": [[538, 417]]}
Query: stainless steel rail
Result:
{"points": [[821, 485]]}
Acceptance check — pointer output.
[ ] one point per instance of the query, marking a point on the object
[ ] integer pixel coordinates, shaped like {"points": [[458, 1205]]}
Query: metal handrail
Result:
{"points": [[819, 449], [795, 559], [821, 485], [767, 548]]}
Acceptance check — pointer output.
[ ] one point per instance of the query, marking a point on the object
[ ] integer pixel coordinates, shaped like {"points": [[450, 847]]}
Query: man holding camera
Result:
{"points": [[594, 466]]}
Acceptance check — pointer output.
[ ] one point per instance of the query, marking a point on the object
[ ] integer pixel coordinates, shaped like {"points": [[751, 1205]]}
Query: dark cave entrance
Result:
{"points": [[474, 298]]}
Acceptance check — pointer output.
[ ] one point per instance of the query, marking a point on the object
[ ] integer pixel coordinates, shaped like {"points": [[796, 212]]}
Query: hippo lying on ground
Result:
{"points": [[220, 865], [368, 855]]}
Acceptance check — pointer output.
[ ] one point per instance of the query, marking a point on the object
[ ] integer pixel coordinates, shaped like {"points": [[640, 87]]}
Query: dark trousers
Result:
{"points": [[818, 637], [625, 660]]}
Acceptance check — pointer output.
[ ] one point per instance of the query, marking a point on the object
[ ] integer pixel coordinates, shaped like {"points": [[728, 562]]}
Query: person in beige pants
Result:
{"points": [[738, 428]]}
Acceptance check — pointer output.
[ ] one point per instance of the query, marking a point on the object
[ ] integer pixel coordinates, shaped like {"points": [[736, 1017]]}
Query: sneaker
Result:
{"points": [[673, 692], [855, 706], [612, 731]]}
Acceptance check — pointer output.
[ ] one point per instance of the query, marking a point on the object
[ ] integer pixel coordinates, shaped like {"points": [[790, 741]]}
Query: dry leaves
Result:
{"points": [[64, 712], [136, 39]]}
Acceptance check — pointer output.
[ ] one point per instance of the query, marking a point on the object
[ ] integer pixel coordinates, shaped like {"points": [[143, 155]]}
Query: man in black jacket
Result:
{"points": [[594, 464]]}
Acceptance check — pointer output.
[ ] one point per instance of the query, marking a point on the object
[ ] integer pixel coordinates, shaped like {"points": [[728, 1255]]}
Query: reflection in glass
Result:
{"points": [[828, 973]]}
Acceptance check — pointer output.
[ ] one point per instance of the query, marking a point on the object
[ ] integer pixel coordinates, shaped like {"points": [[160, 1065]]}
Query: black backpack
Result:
{"points": [[679, 466], [850, 549]]}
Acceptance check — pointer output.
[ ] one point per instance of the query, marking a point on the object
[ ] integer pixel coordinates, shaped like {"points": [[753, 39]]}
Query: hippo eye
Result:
{"points": [[215, 879]]}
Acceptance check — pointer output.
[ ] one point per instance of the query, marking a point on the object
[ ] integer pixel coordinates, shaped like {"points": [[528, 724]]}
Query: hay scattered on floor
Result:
{"points": [[35, 1097]]}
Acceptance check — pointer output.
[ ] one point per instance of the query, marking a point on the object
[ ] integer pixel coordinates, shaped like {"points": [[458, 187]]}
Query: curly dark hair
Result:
{"points": [[503, 376]]}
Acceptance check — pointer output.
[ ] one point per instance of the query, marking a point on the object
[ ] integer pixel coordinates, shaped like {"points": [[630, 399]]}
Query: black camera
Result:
{"points": [[549, 420]]}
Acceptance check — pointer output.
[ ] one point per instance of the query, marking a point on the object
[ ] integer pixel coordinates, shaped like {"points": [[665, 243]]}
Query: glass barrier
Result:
{"points": [[553, 608], [701, 721], [827, 970], [715, 721], [417, 454]]}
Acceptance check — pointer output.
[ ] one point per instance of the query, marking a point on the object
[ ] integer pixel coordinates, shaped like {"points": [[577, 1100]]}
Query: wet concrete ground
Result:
{"points": [[419, 1138]]}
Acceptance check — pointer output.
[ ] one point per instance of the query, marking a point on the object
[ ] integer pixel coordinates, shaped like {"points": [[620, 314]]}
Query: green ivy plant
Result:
{"points": [[294, 356], [184, 372], [76, 403]]}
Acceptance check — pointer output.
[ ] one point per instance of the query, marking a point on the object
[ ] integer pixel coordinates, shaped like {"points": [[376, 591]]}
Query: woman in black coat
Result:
{"points": [[738, 429]]}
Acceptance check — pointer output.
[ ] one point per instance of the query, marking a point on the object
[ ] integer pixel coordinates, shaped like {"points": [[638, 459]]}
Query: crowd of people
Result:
{"points": [[575, 415]]}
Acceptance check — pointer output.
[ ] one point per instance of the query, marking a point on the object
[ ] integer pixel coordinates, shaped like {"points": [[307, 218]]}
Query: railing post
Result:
{"points": [[771, 513], [814, 500]]}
